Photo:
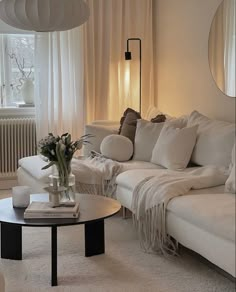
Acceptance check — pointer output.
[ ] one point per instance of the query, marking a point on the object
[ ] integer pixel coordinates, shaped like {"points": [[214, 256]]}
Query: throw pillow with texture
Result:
{"points": [[128, 127], [159, 119], [174, 147], [230, 183], [128, 110], [117, 147], [215, 140], [146, 136]]}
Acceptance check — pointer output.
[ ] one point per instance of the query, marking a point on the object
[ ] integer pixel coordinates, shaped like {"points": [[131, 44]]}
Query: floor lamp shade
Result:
{"points": [[128, 56], [44, 15]]}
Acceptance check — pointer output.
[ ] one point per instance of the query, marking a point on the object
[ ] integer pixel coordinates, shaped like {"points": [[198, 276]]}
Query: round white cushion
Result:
{"points": [[117, 147]]}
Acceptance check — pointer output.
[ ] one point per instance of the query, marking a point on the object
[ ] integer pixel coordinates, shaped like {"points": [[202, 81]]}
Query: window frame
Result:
{"points": [[5, 77]]}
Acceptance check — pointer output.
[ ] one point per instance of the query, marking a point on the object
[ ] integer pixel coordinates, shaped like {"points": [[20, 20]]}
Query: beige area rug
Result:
{"points": [[124, 266]]}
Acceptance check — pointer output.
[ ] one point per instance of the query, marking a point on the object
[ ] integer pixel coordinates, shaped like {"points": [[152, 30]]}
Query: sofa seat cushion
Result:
{"points": [[134, 175], [210, 209], [33, 165], [214, 213], [130, 178], [136, 165]]}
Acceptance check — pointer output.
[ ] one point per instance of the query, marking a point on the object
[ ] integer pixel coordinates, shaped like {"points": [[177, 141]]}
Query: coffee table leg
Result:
{"points": [[11, 241], [54, 256], [94, 238]]}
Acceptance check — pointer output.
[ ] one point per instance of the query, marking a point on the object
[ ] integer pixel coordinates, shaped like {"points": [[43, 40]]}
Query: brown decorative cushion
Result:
{"points": [[128, 110], [159, 119], [128, 123]]}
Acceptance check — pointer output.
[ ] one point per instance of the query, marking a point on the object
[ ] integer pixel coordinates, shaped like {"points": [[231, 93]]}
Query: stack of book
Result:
{"points": [[37, 210]]}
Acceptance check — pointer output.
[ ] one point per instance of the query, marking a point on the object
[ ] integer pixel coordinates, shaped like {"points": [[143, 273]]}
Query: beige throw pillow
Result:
{"points": [[215, 140], [174, 147], [146, 136]]}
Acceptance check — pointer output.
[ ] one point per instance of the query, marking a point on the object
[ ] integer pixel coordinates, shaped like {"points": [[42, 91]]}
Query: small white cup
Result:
{"points": [[21, 196]]}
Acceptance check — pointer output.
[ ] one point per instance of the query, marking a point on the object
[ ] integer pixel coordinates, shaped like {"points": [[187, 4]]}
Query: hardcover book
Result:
{"points": [[45, 210]]}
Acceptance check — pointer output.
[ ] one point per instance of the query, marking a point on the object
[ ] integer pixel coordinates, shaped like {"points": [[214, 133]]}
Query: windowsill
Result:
{"points": [[9, 112]]}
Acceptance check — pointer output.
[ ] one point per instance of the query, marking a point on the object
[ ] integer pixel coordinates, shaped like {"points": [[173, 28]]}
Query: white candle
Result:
{"points": [[21, 196]]}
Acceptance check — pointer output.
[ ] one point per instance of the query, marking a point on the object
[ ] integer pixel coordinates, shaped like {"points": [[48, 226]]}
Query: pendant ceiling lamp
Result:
{"points": [[44, 15]]}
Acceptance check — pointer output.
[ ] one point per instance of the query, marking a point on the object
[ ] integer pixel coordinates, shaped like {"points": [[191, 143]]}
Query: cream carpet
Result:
{"points": [[124, 266]]}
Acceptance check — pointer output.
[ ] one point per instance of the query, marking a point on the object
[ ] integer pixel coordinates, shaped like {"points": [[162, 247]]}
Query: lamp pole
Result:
{"points": [[128, 56]]}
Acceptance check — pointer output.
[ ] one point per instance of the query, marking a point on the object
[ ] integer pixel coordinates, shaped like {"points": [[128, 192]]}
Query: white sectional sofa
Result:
{"points": [[202, 220]]}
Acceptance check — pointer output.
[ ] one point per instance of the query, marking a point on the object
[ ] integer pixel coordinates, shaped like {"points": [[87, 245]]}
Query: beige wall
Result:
{"points": [[184, 81]]}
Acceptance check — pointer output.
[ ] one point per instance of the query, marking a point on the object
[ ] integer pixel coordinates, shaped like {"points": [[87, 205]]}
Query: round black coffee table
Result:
{"points": [[93, 210]]}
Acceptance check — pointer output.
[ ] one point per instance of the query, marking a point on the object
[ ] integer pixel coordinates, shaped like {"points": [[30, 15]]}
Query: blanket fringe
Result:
{"points": [[152, 234], [107, 188], [152, 195], [92, 189]]}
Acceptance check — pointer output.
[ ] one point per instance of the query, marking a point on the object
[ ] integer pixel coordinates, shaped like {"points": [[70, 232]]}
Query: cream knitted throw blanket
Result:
{"points": [[95, 175], [151, 196]]}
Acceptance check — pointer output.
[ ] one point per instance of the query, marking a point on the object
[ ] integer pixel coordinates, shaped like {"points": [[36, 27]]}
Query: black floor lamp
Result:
{"points": [[129, 57]]}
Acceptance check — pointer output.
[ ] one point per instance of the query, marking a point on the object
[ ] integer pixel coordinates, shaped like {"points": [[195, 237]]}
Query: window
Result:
{"points": [[16, 66]]}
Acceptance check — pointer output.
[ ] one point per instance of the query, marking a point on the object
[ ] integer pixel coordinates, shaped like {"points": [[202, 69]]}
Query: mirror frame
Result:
{"points": [[220, 87]]}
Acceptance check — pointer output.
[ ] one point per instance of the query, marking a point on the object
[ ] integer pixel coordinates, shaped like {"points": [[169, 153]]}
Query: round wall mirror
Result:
{"points": [[222, 47]]}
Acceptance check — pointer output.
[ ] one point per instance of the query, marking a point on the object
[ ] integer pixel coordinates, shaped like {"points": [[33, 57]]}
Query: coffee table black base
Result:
{"points": [[94, 238], [11, 241], [54, 256], [93, 211]]}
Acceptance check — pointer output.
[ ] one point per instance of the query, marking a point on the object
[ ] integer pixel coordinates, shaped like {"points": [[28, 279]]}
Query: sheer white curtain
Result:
{"points": [[59, 83], [81, 75], [110, 86]]}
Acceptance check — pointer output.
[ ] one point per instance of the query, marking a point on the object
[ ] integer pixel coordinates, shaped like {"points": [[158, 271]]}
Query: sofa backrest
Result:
{"points": [[215, 140], [99, 132]]}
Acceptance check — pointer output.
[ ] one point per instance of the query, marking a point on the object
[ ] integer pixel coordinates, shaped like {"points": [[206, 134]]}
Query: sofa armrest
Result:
{"points": [[99, 132]]}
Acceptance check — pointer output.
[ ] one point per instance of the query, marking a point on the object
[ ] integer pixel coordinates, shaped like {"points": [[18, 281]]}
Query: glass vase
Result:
{"points": [[65, 183]]}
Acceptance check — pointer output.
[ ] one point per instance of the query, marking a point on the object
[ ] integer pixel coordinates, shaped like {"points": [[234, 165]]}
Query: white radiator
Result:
{"points": [[17, 140]]}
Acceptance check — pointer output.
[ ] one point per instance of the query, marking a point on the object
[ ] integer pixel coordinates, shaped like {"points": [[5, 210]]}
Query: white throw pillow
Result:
{"points": [[230, 183], [174, 147], [146, 136], [215, 140], [117, 147], [180, 122]]}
